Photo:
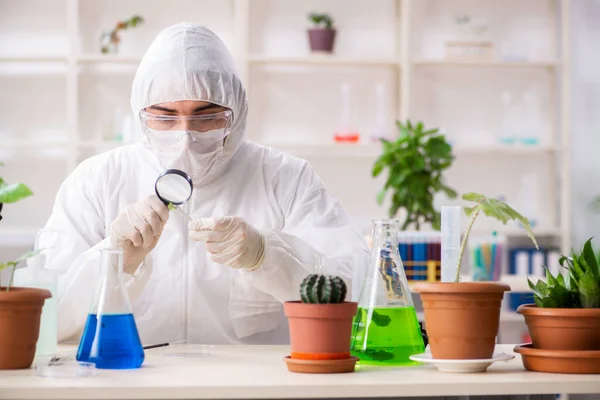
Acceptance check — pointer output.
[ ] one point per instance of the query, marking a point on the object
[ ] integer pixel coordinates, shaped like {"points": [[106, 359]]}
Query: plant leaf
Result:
{"points": [[450, 193], [587, 253], [381, 196], [377, 168], [469, 210], [577, 270], [473, 197], [589, 291], [14, 192]]}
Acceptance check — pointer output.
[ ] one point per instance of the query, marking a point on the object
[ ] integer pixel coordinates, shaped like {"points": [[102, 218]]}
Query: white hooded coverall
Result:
{"points": [[178, 293]]}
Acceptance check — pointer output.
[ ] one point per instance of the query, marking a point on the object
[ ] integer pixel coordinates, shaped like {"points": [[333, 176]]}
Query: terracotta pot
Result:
{"points": [[20, 312], [559, 361], [320, 331], [562, 328], [462, 319], [321, 40]]}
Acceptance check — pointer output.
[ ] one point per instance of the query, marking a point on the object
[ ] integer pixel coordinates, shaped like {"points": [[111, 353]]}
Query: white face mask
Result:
{"points": [[195, 153]]}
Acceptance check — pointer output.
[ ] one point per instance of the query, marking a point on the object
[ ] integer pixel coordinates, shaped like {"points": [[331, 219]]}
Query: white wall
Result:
{"points": [[292, 102]]}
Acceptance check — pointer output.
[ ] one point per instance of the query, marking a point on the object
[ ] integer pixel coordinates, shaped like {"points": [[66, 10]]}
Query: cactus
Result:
{"points": [[323, 289]]}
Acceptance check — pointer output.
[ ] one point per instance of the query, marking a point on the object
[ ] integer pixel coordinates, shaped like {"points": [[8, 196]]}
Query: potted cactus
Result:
{"points": [[462, 318], [565, 319], [322, 36], [321, 326]]}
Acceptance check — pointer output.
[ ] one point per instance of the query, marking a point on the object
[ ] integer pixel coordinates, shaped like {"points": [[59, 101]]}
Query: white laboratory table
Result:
{"points": [[259, 372]]}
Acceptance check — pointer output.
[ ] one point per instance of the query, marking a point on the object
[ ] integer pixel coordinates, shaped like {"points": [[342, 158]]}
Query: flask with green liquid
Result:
{"points": [[386, 330]]}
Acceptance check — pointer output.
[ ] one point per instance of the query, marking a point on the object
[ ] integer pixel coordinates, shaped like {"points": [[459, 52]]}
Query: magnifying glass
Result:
{"points": [[174, 188]]}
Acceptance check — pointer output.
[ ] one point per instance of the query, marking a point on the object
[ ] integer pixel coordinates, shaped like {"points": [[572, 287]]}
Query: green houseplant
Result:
{"points": [[565, 317], [110, 40], [20, 308], [462, 318], [416, 162], [321, 36], [321, 326]]}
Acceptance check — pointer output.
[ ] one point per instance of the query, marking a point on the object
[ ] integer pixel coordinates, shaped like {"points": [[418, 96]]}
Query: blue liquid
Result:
{"points": [[118, 342]]}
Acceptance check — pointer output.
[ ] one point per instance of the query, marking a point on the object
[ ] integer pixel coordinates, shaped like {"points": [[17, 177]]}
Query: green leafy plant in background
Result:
{"points": [[493, 208], [12, 193], [579, 287], [416, 162], [321, 20]]}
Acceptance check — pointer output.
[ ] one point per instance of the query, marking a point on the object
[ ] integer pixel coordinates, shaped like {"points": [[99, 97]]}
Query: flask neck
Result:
{"points": [[111, 265], [385, 233]]}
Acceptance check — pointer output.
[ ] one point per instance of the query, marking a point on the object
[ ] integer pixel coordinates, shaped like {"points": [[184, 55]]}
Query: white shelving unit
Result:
{"points": [[293, 94]]}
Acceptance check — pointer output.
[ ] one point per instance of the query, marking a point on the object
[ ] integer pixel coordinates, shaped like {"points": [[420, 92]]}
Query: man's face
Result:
{"points": [[193, 115]]}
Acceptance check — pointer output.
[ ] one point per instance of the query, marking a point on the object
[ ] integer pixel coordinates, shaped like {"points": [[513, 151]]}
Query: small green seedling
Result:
{"points": [[13, 264], [171, 206], [492, 208]]}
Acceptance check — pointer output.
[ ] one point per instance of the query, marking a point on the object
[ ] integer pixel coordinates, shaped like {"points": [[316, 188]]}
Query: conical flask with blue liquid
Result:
{"points": [[110, 338], [386, 330]]}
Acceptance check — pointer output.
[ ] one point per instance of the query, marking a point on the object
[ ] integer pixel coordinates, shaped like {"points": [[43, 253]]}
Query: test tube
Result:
{"points": [[450, 241]]}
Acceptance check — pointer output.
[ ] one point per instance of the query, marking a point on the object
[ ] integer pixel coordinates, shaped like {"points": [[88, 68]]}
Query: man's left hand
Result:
{"points": [[231, 241]]}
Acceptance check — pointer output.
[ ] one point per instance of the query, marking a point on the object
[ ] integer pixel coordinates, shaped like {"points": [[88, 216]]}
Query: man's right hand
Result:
{"points": [[137, 230]]}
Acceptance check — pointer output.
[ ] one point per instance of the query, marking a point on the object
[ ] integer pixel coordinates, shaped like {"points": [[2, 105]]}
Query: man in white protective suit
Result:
{"points": [[260, 216]]}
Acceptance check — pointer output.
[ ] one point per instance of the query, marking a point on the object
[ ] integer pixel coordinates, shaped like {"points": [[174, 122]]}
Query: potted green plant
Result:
{"points": [[321, 326], [564, 322], [20, 308], [110, 40], [462, 318], [322, 36], [416, 162]]}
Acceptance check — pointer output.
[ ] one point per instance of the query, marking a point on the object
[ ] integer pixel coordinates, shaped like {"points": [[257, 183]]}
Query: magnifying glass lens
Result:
{"points": [[174, 187]]}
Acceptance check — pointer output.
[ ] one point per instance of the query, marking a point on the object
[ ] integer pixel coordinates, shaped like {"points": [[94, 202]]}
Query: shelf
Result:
{"points": [[501, 64], [32, 59], [504, 150], [322, 60], [372, 150], [33, 143], [519, 232], [329, 149], [108, 59]]}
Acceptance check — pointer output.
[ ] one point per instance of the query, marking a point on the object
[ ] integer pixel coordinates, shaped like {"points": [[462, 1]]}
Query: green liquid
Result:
{"points": [[388, 337]]}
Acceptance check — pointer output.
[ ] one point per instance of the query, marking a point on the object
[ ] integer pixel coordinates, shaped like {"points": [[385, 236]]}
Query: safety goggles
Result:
{"points": [[198, 123]]}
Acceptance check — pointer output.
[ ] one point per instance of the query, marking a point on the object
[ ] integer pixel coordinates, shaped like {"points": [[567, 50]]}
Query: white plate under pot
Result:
{"points": [[461, 365]]}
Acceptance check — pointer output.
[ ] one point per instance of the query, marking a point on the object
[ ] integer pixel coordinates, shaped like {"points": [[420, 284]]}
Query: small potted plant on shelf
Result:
{"points": [[462, 318], [322, 36], [416, 161], [564, 322], [321, 326], [20, 308], [109, 41]]}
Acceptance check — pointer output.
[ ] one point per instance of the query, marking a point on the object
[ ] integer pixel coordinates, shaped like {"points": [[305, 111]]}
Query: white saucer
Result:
{"points": [[461, 365]]}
